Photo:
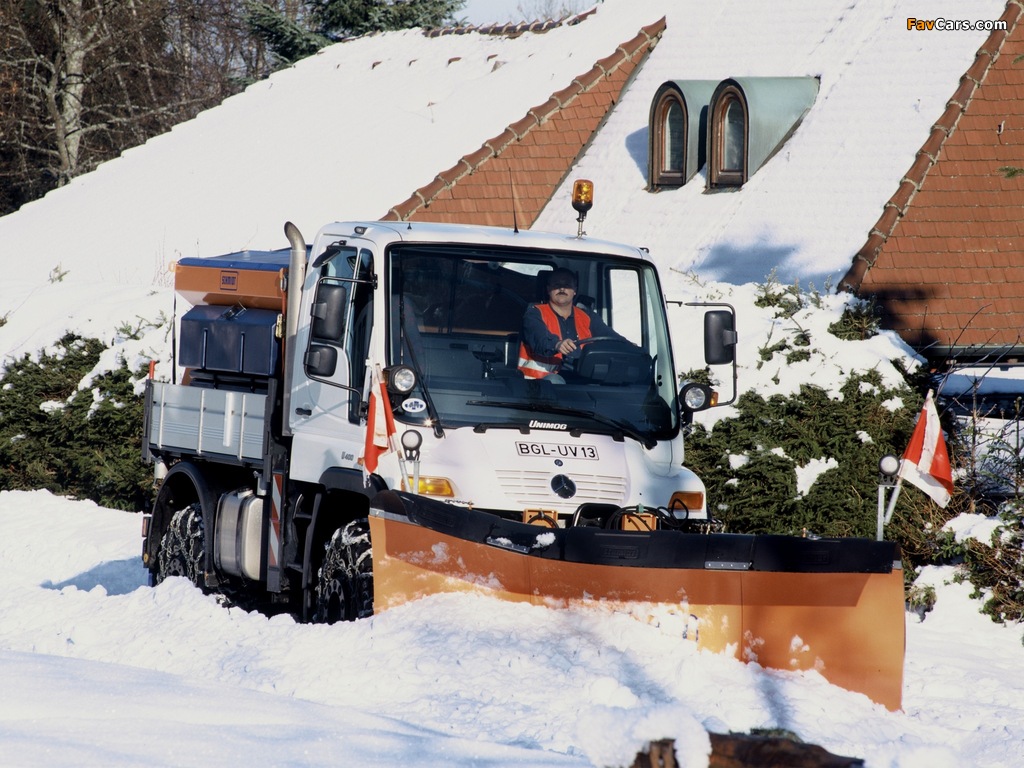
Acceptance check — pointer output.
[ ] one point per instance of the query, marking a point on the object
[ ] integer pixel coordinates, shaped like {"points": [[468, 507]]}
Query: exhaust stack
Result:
{"points": [[296, 277]]}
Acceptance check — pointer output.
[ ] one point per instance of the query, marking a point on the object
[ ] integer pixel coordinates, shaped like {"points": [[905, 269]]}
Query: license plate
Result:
{"points": [[557, 450]]}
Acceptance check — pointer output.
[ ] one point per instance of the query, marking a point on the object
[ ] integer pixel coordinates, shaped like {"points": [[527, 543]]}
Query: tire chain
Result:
{"points": [[347, 559], [182, 547]]}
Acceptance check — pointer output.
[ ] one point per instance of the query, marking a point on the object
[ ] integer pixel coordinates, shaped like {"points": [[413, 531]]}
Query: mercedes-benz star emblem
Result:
{"points": [[563, 486]]}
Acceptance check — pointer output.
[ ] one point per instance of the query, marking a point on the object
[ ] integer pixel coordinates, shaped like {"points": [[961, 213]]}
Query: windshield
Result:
{"points": [[458, 318]]}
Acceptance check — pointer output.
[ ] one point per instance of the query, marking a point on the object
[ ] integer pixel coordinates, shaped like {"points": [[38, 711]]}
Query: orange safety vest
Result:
{"points": [[536, 366]]}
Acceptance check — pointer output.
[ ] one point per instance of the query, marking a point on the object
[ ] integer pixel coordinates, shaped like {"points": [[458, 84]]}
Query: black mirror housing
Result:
{"points": [[719, 337]]}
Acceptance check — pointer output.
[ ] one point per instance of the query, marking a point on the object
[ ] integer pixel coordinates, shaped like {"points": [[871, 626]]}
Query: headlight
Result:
{"points": [[401, 379], [696, 397]]}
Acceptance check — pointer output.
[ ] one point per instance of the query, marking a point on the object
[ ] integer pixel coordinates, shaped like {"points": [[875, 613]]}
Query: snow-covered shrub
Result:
{"points": [[77, 441], [996, 569], [861, 319]]}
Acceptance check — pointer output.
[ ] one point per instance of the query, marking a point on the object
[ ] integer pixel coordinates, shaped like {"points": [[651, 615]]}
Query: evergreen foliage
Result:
{"points": [[996, 569], [860, 321], [288, 41], [348, 18], [325, 21], [82, 443], [749, 463]]}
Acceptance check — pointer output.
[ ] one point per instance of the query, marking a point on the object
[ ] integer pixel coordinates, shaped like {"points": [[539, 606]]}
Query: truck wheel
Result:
{"points": [[181, 548], [344, 589]]}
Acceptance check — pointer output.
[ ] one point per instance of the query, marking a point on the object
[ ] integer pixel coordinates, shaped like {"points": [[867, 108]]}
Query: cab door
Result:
{"points": [[332, 345]]}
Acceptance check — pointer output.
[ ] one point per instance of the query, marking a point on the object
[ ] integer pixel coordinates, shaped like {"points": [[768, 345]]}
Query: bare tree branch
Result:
{"points": [[82, 80]]}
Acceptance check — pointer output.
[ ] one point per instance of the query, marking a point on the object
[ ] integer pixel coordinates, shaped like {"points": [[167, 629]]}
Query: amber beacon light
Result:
{"points": [[582, 200]]}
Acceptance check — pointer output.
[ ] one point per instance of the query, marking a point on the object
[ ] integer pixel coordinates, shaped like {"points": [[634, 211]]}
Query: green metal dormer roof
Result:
{"points": [[775, 107]]}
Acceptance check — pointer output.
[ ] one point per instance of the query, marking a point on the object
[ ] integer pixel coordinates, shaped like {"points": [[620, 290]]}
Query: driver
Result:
{"points": [[552, 332]]}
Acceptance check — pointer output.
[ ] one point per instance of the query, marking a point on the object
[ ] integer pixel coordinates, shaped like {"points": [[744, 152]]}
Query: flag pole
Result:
{"points": [[892, 501]]}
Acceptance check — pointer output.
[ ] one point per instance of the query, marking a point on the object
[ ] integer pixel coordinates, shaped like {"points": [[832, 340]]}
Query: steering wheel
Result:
{"points": [[616, 361]]}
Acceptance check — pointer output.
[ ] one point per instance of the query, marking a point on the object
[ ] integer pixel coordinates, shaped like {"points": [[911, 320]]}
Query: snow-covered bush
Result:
{"points": [[765, 471], [996, 568], [71, 433]]}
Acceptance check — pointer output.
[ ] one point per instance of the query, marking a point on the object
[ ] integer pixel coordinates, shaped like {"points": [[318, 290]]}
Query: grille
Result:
{"points": [[531, 489]]}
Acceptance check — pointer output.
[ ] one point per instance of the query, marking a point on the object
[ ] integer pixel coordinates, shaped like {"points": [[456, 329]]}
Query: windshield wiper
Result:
{"points": [[619, 426], [420, 378]]}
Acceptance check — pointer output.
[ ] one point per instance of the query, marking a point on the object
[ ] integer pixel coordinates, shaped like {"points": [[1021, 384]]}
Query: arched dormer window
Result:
{"points": [[729, 138], [667, 157], [678, 132]]}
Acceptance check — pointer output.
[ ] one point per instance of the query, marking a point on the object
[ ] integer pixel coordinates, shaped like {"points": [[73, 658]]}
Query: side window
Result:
{"points": [[729, 133], [625, 304], [357, 343]]}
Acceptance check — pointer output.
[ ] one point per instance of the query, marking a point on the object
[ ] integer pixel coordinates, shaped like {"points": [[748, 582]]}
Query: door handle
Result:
{"points": [[304, 411]]}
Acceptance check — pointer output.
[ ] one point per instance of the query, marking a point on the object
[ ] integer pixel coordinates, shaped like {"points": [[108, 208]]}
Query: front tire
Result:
{"points": [[182, 549], [344, 589]]}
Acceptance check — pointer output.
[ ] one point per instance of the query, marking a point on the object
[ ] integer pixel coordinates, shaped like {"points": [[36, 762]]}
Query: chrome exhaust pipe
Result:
{"points": [[296, 278]]}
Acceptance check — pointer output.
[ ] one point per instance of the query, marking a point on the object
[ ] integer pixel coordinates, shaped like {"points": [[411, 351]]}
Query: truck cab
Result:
{"points": [[440, 310]]}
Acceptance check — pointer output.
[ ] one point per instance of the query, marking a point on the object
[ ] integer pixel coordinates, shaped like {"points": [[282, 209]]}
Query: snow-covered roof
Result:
{"points": [[355, 130], [944, 257], [809, 209]]}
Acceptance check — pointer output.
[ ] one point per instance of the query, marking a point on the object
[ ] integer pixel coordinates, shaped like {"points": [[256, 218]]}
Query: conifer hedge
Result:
{"points": [[84, 443]]}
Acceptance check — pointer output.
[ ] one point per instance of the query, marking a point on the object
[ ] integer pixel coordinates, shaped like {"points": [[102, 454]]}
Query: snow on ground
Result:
{"points": [[100, 669]]}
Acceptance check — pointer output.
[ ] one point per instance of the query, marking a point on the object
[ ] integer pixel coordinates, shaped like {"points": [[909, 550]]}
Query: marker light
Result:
{"points": [[411, 442], [684, 503], [434, 486], [889, 465]]}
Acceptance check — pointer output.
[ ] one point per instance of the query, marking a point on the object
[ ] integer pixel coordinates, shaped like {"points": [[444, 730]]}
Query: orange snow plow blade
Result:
{"points": [[831, 605]]}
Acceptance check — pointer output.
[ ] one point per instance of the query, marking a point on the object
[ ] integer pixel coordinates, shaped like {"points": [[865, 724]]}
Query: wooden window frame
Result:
{"points": [[718, 175], [661, 176]]}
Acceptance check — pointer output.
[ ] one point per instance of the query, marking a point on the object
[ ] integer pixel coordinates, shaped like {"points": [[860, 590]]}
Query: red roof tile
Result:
{"points": [[946, 258], [532, 156]]}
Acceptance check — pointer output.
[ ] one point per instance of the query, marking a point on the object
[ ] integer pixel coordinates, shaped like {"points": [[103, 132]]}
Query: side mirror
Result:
{"points": [[719, 343], [719, 337], [329, 312], [321, 361]]}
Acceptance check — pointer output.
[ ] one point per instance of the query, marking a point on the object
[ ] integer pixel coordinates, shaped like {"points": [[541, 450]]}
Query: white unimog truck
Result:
{"points": [[352, 430]]}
